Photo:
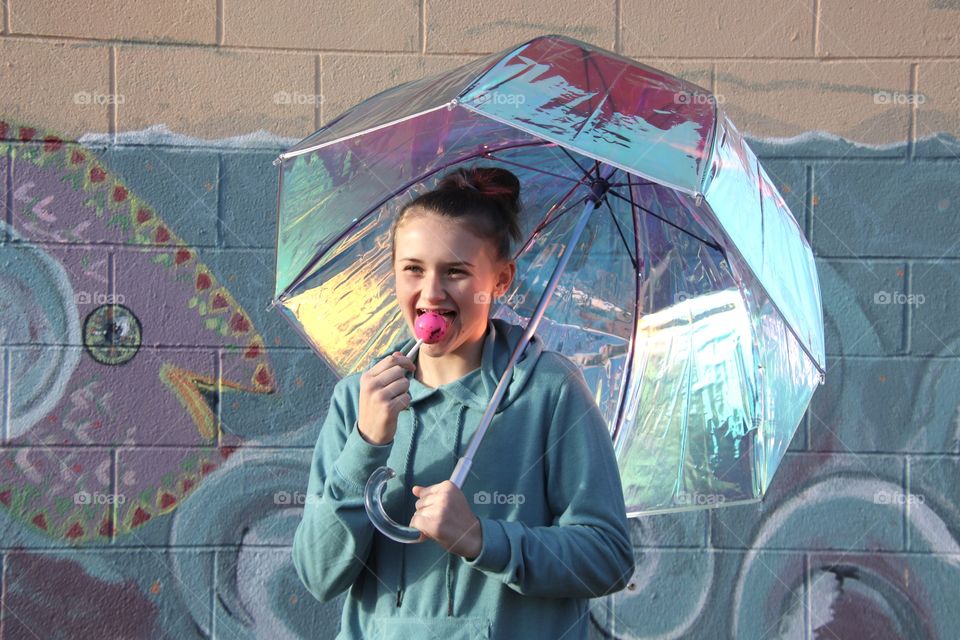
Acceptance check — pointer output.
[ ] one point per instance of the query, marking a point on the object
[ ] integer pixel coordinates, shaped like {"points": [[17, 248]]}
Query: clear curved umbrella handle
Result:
{"points": [[372, 500]]}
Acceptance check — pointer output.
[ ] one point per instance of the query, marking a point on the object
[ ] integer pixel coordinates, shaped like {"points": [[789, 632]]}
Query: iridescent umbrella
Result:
{"points": [[658, 254]]}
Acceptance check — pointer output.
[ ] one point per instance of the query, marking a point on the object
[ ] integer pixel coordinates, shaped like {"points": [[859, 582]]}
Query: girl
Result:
{"points": [[540, 525]]}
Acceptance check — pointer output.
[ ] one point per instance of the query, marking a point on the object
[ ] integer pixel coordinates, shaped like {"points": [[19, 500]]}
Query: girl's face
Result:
{"points": [[440, 264]]}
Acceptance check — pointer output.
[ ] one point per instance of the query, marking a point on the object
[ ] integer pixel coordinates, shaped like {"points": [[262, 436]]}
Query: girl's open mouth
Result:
{"points": [[445, 313]]}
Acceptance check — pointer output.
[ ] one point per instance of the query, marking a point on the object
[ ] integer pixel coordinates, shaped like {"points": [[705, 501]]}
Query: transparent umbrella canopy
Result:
{"points": [[657, 253]]}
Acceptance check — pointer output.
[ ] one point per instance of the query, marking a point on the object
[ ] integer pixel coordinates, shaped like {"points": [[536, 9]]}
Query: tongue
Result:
{"points": [[431, 327]]}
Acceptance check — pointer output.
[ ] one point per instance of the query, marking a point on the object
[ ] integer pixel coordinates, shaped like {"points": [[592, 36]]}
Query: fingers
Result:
{"points": [[396, 359]]}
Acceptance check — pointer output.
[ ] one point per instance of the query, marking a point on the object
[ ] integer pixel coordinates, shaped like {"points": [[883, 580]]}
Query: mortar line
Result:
{"points": [[808, 205], [220, 28], [113, 106], [816, 28], [8, 397], [422, 25], [912, 129], [115, 509], [218, 376], [807, 597], [218, 240], [213, 595], [906, 342], [317, 91], [459, 54], [905, 522], [8, 197], [618, 26]]}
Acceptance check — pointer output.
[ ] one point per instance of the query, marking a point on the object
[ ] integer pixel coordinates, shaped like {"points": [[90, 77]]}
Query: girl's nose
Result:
{"points": [[433, 288]]}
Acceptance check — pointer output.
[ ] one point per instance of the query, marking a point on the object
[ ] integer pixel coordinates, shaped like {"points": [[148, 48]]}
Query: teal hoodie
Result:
{"points": [[544, 486]]}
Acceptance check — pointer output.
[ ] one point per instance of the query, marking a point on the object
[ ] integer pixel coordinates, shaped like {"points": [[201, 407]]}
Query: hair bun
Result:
{"points": [[493, 182]]}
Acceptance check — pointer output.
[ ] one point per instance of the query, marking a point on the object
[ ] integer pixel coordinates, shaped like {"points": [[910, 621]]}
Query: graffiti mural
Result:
{"points": [[159, 422]]}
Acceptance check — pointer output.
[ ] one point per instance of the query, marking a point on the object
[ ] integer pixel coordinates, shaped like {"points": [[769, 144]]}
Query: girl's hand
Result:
{"points": [[444, 515], [383, 395]]}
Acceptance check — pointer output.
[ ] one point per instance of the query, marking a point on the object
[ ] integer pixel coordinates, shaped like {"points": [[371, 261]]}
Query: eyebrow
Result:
{"points": [[445, 264]]}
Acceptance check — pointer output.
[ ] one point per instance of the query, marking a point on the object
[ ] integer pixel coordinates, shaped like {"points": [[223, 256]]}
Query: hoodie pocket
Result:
{"points": [[410, 627]]}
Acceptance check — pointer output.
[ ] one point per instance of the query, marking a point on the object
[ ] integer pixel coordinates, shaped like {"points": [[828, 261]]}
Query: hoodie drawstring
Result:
{"points": [[456, 456], [408, 470], [407, 474]]}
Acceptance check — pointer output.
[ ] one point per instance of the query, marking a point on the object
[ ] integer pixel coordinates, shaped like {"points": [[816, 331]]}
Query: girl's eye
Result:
{"points": [[413, 267]]}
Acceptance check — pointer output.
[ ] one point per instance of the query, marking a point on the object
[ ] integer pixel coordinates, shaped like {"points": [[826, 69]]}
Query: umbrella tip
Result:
{"points": [[277, 161]]}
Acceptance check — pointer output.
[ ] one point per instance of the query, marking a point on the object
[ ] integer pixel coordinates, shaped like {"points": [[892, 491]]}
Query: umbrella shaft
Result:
{"points": [[460, 472]]}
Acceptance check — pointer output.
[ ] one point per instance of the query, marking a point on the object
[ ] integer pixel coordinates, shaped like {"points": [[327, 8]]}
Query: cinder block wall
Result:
{"points": [[152, 491]]}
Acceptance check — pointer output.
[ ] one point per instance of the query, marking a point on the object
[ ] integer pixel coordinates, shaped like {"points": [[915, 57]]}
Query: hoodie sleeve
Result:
{"points": [[332, 542], [587, 553]]}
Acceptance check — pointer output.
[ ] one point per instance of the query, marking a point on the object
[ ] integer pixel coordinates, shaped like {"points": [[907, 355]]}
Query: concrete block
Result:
{"points": [[781, 99], [819, 501], [852, 29], [887, 405], [51, 85], [363, 26], [935, 306], [885, 209], [465, 27], [863, 306], [248, 199], [175, 21], [179, 185], [742, 29], [938, 106], [350, 79], [211, 94]]}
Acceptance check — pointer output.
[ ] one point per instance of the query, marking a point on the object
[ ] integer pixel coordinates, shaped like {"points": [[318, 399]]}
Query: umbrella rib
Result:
{"points": [[586, 173], [526, 166], [713, 245], [636, 266]]}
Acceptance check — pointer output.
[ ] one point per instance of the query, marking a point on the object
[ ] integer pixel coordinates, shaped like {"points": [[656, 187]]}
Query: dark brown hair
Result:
{"points": [[484, 198]]}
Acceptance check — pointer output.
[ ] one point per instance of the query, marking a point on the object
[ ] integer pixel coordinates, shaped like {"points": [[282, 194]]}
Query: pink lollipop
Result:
{"points": [[431, 327]]}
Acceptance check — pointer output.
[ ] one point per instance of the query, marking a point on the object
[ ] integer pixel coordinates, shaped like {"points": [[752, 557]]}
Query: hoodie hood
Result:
{"points": [[473, 390]]}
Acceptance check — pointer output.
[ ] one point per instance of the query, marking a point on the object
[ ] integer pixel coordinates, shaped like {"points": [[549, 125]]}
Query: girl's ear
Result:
{"points": [[505, 277]]}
